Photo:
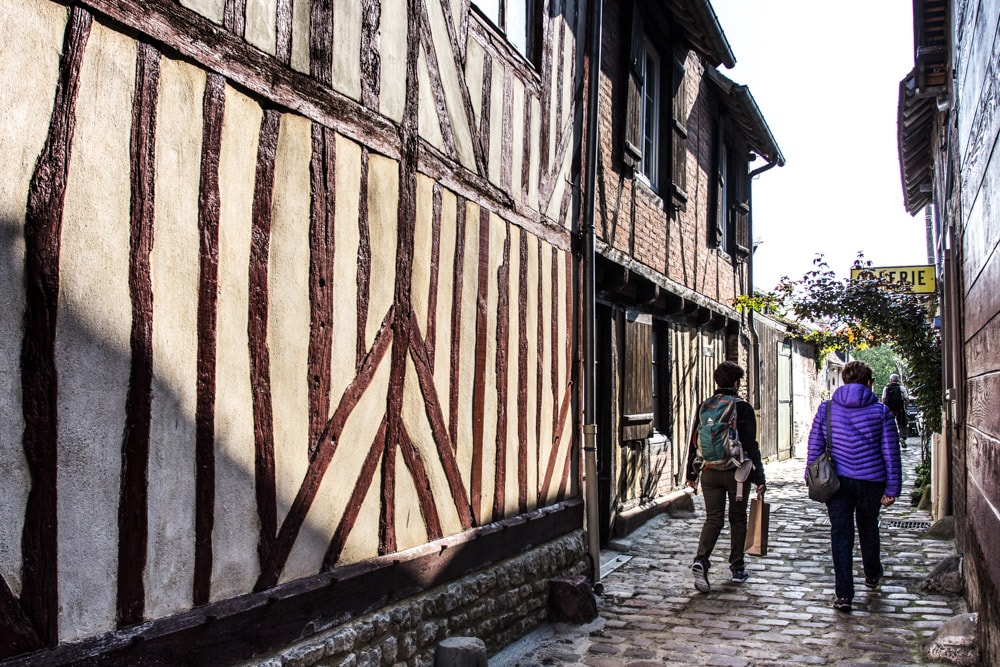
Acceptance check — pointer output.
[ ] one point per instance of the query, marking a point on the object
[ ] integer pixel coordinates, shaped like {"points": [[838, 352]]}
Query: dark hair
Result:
{"points": [[727, 374], [857, 372]]}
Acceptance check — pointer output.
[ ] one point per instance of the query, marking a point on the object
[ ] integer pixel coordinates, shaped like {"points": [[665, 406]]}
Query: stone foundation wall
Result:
{"points": [[498, 604]]}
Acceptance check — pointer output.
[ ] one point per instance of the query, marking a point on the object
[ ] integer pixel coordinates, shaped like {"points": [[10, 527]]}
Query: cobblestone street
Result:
{"points": [[650, 613]]}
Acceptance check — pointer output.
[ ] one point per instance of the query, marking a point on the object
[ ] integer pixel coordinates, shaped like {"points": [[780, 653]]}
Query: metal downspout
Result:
{"points": [[589, 308], [750, 319]]}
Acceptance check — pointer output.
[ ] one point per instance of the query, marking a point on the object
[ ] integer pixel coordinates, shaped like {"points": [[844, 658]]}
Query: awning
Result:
{"points": [[915, 128], [746, 115]]}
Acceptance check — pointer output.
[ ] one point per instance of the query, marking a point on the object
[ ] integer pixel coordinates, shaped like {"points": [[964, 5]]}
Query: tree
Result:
{"points": [[851, 315], [883, 362]]}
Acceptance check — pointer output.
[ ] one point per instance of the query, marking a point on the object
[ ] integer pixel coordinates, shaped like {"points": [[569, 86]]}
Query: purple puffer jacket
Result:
{"points": [[865, 439]]}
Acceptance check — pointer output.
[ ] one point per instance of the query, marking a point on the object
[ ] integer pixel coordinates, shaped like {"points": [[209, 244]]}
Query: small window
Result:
{"points": [[514, 18]]}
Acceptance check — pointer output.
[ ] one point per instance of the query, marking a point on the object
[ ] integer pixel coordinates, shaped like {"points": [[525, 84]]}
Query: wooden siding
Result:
{"points": [[272, 310]]}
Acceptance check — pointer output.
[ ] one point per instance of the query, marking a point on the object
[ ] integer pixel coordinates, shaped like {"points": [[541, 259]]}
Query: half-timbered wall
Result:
{"points": [[287, 286]]}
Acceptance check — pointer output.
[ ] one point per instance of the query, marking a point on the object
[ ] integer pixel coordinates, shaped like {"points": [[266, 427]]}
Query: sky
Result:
{"points": [[826, 78]]}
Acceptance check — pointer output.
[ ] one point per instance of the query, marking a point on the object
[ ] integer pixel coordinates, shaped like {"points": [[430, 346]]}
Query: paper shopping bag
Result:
{"points": [[757, 524]]}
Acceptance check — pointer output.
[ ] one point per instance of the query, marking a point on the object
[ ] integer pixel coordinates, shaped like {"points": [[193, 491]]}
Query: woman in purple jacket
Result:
{"points": [[865, 449]]}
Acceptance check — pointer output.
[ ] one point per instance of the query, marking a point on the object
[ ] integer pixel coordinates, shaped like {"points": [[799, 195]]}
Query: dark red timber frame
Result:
{"points": [[30, 622]]}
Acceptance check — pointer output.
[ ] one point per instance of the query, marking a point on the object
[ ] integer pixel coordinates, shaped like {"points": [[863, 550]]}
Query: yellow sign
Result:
{"points": [[918, 279]]}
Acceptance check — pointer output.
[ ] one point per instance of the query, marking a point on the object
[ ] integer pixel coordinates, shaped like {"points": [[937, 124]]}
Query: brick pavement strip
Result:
{"points": [[650, 613]]}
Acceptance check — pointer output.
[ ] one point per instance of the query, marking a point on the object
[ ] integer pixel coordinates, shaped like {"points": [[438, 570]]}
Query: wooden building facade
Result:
{"points": [[674, 230], [289, 324], [948, 132]]}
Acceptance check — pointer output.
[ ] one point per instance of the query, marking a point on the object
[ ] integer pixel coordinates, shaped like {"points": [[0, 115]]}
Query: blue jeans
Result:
{"points": [[857, 502]]}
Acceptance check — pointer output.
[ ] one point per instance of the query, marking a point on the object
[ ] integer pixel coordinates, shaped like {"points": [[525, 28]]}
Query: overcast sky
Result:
{"points": [[826, 78]]}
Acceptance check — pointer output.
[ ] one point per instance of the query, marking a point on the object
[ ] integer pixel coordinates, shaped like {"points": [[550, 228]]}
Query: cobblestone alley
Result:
{"points": [[650, 613]]}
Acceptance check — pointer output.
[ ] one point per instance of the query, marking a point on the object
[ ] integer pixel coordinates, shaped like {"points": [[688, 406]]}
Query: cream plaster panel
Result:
{"points": [[427, 118], [497, 232], [467, 343], [383, 208], [419, 429], [352, 448], [393, 46], [474, 57], [452, 82], [347, 48], [517, 149], [496, 123], [32, 32], [555, 203], [261, 24], [549, 408], [514, 322], [213, 10], [300, 35], [445, 296], [92, 336], [343, 474], [174, 270], [423, 241], [237, 526], [345, 267], [534, 169], [529, 273], [289, 307], [410, 529]]}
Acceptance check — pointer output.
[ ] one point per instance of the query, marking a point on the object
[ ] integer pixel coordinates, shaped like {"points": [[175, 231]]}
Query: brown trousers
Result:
{"points": [[717, 486]]}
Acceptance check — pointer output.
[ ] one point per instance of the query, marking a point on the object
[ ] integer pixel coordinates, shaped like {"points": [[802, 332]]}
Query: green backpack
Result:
{"points": [[716, 436]]}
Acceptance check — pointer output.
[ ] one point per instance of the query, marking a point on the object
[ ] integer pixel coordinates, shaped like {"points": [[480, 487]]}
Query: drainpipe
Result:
{"points": [[750, 320], [589, 307]]}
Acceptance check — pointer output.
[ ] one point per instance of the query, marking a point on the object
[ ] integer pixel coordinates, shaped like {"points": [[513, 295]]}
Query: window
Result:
{"points": [[516, 19], [650, 129], [722, 196], [656, 113], [731, 229]]}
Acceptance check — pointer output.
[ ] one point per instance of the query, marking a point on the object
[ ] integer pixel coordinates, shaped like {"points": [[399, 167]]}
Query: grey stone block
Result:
{"points": [[460, 652], [946, 577], [955, 641]]}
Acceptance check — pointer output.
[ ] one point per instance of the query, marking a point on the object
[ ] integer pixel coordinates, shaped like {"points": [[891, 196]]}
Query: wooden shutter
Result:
{"points": [[678, 167], [717, 223], [633, 102], [637, 384], [741, 206]]}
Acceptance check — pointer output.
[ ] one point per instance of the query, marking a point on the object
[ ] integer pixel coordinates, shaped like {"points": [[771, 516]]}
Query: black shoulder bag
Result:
{"points": [[821, 475]]}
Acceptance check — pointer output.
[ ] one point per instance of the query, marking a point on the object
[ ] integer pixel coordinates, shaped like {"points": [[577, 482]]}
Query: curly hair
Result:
{"points": [[857, 372], [727, 374]]}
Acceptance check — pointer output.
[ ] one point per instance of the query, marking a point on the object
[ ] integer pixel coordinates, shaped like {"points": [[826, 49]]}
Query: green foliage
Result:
{"points": [[882, 361], [854, 315]]}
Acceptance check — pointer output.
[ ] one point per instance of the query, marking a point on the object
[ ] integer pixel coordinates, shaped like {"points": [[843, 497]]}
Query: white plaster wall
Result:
{"points": [[235, 533], [529, 269], [423, 237], [474, 56], [427, 119], [300, 35], [517, 138], [345, 267], [467, 343], [92, 336], [213, 10], [289, 307], [445, 301], [392, 92], [549, 408], [514, 320], [496, 123], [261, 26], [452, 81], [347, 48], [174, 269], [383, 208], [534, 170], [497, 230], [32, 32]]}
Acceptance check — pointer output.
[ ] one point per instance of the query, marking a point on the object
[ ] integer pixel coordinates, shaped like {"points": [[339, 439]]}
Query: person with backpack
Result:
{"points": [[895, 398], [724, 454], [864, 446]]}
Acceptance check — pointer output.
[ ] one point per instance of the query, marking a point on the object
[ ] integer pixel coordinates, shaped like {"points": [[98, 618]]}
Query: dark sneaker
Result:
{"points": [[872, 582], [700, 576], [842, 604], [739, 576]]}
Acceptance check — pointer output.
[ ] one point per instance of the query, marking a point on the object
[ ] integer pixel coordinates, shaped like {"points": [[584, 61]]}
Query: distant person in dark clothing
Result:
{"points": [[865, 451], [720, 483], [895, 398]]}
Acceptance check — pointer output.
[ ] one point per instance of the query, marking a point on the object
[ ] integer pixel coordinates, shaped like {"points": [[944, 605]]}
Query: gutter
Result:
{"points": [[589, 302], [751, 323]]}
